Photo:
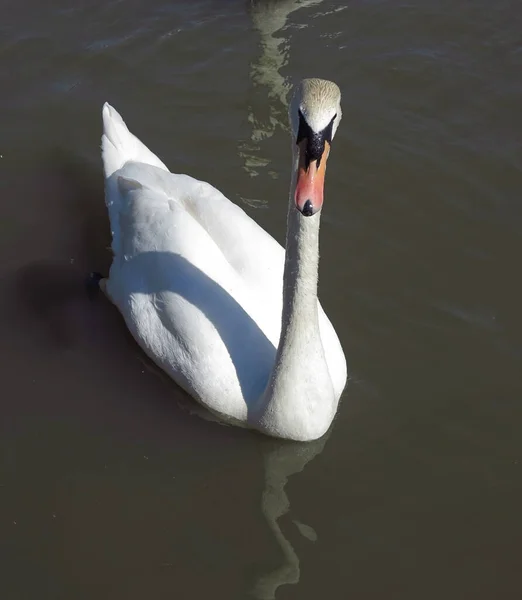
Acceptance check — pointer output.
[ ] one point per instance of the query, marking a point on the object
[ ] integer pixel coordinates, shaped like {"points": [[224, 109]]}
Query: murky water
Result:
{"points": [[110, 485]]}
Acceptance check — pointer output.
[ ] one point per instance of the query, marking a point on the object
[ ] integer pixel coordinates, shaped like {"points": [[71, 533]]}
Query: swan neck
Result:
{"points": [[301, 272], [301, 266], [299, 398]]}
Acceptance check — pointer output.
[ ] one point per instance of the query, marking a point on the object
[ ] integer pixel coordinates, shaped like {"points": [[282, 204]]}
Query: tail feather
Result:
{"points": [[119, 145]]}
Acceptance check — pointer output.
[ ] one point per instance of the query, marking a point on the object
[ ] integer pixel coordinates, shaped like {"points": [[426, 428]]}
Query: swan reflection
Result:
{"points": [[281, 461], [269, 18]]}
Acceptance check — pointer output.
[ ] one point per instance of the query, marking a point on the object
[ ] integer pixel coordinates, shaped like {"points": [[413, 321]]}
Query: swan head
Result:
{"points": [[315, 113]]}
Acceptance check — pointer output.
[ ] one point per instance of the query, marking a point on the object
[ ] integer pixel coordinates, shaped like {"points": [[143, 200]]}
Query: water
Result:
{"points": [[111, 483]]}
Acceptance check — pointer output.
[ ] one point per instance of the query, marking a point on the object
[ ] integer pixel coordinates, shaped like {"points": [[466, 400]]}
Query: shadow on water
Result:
{"points": [[46, 292]]}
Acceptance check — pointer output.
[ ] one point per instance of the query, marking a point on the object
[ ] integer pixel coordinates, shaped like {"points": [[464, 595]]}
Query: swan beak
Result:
{"points": [[309, 189]]}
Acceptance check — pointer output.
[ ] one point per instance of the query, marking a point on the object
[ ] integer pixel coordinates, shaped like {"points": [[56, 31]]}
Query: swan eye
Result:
{"points": [[328, 130], [304, 129]]}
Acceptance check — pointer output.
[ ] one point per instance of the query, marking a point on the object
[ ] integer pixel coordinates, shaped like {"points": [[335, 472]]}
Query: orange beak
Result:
{"points": [[309, 190]]}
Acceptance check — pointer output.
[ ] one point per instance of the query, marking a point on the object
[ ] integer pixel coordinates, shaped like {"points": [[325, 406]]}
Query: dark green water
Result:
{"points": [[110, 485]]}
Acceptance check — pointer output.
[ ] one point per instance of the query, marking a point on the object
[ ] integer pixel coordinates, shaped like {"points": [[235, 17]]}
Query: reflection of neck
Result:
{"points": [[282, 461], [270, 18], [299, 399]]}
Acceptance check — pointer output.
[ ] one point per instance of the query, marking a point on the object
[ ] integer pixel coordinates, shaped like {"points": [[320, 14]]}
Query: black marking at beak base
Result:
{"points": [[315, 145]]}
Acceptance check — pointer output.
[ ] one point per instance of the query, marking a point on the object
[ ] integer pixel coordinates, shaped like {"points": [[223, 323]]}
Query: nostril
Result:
{"points": [[308, 209]]}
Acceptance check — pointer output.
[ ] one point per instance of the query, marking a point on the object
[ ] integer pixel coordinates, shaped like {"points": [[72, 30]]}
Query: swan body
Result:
{"points": [[206, 293]]}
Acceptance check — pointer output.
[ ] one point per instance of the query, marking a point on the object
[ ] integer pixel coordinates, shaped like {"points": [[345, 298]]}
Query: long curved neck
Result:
{"points": [[300, 278], [298, 398]]}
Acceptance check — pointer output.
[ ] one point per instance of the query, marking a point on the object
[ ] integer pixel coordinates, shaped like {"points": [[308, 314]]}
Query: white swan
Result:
{"points": [[211, 297]]}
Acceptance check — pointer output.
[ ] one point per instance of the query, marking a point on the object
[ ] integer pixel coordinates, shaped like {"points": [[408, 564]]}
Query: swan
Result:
{"points": [[211, 297]]}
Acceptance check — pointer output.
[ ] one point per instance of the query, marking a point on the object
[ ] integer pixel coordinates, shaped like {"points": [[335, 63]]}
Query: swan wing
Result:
{"points": [[249, 249]]}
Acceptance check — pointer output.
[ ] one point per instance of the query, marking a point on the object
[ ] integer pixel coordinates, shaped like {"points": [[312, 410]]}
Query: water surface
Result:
{"points": [[111, 483]]}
